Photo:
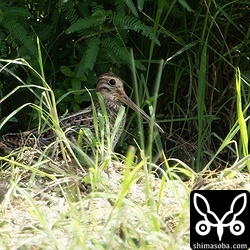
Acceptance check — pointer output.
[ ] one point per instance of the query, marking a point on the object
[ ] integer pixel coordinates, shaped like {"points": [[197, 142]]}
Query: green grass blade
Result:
{"points": [[201, 108], [241, 119]]}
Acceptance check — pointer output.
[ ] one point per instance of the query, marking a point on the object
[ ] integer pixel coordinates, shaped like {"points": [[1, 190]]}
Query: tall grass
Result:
{"points": [[139, 200], [125, 207], [244, 132], [199, 93], [80, 220]]}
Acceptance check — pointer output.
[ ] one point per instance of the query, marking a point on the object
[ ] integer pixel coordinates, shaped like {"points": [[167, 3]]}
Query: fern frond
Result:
{"points": [[85, 23], [176, 11], [121, 9], [132, 23], [16, 12], [109, 50], [70, 12], [114, 48], [115, 45], [3, 45], [96, 8], [88, 59], [19, 34], [118, 54], [132, 7]]}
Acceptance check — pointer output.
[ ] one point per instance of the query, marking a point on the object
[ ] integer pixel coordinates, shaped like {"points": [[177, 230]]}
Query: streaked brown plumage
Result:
{"points": [[111, 88]]}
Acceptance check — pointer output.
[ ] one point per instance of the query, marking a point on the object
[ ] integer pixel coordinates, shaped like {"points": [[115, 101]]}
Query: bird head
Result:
{"points": [[111, 88]]}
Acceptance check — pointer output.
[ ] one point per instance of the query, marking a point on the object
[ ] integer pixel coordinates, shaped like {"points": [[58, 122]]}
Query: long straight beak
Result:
{"points": [[126, 100]]}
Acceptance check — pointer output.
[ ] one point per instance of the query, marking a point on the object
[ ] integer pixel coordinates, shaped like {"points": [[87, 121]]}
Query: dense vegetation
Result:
{"points": [[186, 63], [201, 45]]}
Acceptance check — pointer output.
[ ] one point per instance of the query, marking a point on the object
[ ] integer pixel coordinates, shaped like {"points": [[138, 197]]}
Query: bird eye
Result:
{"points": [[112, 82]]}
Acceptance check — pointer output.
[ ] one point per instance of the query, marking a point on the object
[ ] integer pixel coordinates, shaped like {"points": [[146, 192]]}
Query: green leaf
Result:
{"points": [[85, 23], [132, 7], [75, 107], [76, 84], [66, 71], [99, 13], [140, 4], [78, 99], [185, 5], [59, 92], [88, 59], [133, 23]]}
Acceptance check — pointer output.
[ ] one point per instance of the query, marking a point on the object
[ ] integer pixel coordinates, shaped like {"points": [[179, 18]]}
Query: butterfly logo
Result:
{"points": [[203, 227]]}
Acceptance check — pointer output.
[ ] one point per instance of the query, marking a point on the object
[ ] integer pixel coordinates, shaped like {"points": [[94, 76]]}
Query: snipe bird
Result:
{"points": [[111, 88]]}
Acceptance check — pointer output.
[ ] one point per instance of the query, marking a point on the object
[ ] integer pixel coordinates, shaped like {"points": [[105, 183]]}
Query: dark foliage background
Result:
{"points": [[201, 43]]}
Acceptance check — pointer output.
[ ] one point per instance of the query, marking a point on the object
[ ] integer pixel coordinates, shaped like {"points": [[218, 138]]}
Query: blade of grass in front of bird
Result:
{"points": [[152, 110], [137, 99], [241, 119]]}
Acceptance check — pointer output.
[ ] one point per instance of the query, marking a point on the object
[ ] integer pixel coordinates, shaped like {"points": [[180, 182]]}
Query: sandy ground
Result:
{"points": [[39, 216]]}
